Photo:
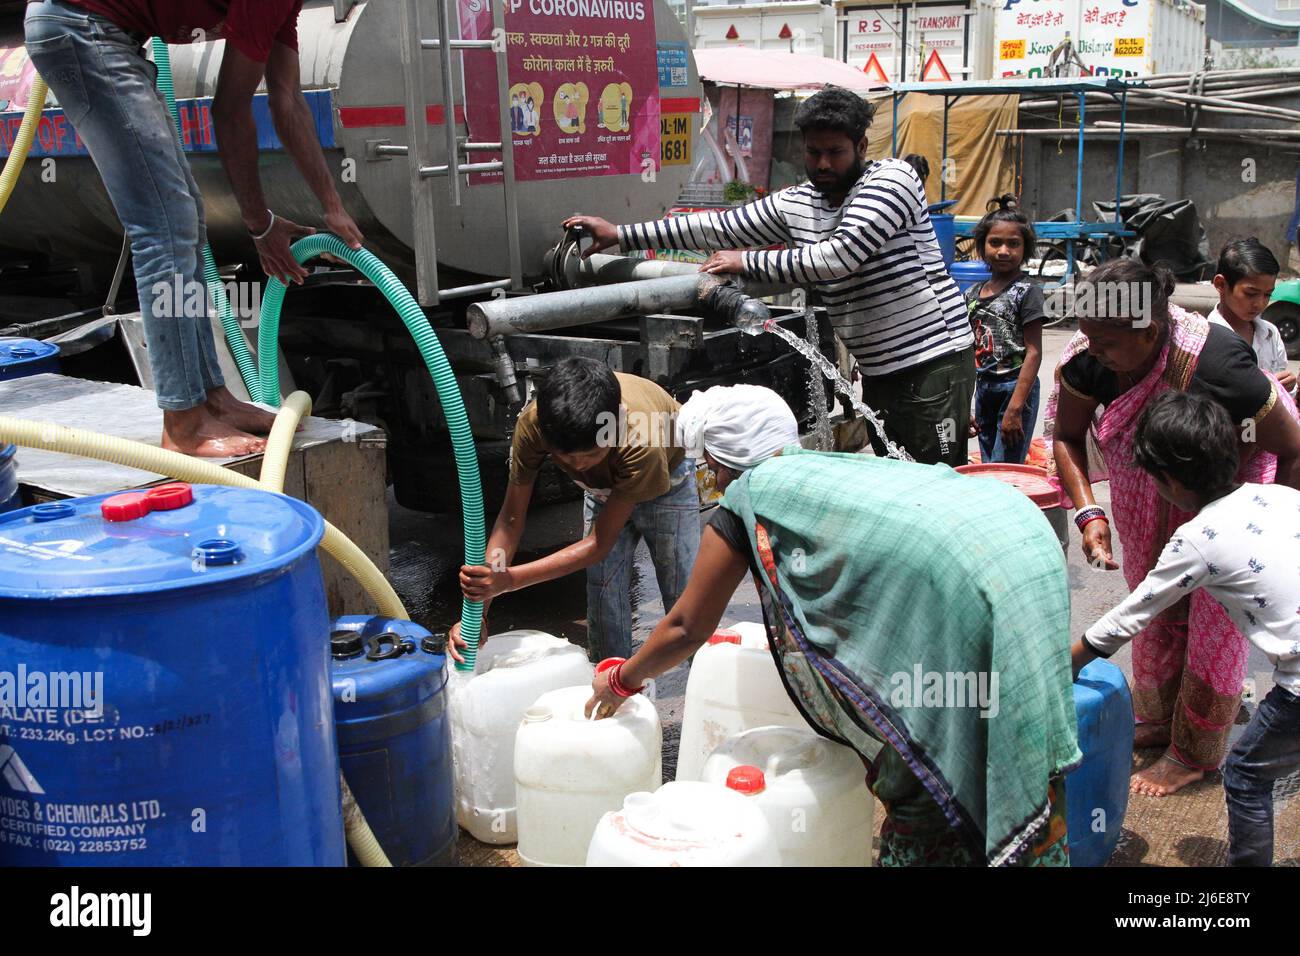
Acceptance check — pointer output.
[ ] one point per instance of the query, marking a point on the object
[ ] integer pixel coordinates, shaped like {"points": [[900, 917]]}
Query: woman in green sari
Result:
{"points": [[918, 616]]}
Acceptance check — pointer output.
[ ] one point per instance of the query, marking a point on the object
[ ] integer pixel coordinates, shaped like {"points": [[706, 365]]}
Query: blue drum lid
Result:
{"points": [[7, 452], [387, 666], [15, 351], [224, 534]]}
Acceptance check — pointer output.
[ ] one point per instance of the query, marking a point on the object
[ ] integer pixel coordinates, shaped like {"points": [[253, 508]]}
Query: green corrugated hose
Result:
{"points": [[234, 334], [444, 380]]}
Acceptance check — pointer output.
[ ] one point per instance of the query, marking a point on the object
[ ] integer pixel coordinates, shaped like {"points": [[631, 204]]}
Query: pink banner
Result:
{"points": [[584, 86], [16, 77]]}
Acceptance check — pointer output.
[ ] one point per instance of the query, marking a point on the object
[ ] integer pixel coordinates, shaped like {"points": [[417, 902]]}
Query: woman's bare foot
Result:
{"points": [[1164, 777], [197, 432], [249, 418], [1150, 735]]}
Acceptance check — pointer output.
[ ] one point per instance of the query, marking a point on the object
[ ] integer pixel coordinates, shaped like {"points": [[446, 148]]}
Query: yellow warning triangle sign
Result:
{"points": [[874, 70], [934, 69]]}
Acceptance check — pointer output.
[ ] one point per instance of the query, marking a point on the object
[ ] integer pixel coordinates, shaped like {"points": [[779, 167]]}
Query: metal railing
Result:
{"points": [[413, 47]]}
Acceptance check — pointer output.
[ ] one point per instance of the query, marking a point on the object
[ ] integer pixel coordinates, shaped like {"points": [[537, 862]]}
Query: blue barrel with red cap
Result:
{"points": [[168, 674]]}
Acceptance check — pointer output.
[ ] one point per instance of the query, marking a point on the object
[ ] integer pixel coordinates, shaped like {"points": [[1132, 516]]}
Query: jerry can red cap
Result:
{"points": [[170, 496], [746, 779], [725, 635], [126, 507]]}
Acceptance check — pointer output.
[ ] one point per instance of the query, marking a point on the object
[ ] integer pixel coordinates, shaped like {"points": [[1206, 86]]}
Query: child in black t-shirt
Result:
{"points": [[1006, 312]]}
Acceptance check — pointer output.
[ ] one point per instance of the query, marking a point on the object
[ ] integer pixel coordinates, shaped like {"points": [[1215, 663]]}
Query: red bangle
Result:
{"points": [[1092, 519], [616, 682]]}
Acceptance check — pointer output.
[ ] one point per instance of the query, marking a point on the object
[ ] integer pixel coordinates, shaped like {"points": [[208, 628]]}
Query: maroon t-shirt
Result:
{"points": [[250, 26]]}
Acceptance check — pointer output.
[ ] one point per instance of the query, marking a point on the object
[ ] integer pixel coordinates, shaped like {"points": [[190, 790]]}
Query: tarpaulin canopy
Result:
{"points": [[777, 70]]}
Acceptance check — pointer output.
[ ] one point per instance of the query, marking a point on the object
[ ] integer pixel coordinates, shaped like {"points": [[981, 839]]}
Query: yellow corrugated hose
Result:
{"points": [[23, 141]]}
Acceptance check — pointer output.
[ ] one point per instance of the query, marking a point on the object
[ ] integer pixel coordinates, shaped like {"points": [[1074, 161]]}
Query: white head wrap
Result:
{"points": [[739, 425]]}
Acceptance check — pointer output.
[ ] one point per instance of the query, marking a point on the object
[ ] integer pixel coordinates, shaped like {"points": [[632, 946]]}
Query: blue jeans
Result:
{"points": [[670, 525], [1268, 751], [992, 396], [106, 88]]}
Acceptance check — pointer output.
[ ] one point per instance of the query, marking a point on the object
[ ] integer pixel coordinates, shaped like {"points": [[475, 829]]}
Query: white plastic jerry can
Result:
{"points": [[733, 686], [570, 771], [812, 790], [687, 823], [512, 670]]}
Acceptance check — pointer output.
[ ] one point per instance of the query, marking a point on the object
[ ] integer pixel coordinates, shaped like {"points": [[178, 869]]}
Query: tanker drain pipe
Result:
{"points": [[545, 311]]}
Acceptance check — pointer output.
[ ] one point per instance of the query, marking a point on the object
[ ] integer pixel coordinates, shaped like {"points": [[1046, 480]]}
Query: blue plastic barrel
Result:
{"points": [[9, 497], [1096, 792], [945, 230], [390, 706], [22, 357], [194, 723], [969, 272]]}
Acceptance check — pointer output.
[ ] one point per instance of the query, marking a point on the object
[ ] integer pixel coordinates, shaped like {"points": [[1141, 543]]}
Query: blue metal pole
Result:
{"points": [[1119, 173], [943, 163], [893, 134], [1078, 192]]}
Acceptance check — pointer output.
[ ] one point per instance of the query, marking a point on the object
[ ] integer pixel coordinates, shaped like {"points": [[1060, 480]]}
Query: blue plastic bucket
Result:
{"points": [[945, 230], [969, 272]]}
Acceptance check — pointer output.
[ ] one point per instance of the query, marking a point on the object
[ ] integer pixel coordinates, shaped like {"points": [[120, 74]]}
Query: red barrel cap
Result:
{"points": [[609, 662], [746, 779], [127, 507], [725, 635], [171, 496], [1033, 482]]}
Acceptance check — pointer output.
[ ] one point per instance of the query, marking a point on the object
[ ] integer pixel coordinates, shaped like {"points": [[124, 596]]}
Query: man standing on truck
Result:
{"points": [[860, 234], [90, 53]]}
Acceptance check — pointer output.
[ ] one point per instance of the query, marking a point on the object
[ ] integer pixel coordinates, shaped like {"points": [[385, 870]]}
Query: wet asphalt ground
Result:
{"points": [[1187, 829]]}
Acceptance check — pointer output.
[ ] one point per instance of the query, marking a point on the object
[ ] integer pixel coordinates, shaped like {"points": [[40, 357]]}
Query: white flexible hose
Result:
{"points": [[275, 461]]}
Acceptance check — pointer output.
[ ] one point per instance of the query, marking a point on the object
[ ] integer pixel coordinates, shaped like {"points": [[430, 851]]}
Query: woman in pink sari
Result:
{"points": [[1189, 666]]}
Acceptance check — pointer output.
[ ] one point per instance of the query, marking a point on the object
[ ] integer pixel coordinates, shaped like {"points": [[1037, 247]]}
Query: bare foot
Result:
{"points": [[1150, 735], [197, 432], [249, 418], [1164, 777]]}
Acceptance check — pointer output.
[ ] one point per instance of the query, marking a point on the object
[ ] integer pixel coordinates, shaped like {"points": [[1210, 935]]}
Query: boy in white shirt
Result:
{"points": [[1245, 278], [1240, 547]]}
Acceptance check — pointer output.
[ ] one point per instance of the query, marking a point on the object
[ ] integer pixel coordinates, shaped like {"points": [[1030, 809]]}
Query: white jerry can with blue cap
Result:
{"points": [[169, 652]]}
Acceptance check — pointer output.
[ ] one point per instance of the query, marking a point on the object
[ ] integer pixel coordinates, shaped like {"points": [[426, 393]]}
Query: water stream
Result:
{"points": [[827, 368]]}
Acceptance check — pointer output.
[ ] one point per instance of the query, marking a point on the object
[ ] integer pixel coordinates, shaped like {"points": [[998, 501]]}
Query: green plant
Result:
{"points": [[736, 191]]}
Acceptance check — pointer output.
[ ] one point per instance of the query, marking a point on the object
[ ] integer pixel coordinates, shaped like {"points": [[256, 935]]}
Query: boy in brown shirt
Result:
{"points": [[614, 435]]}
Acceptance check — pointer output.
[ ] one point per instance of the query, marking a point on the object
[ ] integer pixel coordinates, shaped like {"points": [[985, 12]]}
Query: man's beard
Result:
{"points": [[842, 185]]}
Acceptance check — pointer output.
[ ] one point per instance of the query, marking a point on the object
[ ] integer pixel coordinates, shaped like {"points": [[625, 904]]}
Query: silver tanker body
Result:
{"points": [[353, 77], [341, 341]]}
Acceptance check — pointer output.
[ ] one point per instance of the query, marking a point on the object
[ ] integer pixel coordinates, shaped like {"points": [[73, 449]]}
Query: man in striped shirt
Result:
{"points": [[860, 235]]}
